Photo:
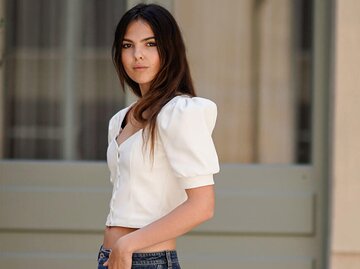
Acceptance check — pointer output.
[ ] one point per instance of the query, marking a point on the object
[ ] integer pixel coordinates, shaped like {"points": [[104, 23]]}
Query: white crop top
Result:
{"points": [[184, 158]]}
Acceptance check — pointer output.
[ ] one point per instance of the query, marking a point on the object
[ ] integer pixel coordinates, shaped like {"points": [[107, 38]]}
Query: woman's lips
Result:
{"points": [[140, 67]]}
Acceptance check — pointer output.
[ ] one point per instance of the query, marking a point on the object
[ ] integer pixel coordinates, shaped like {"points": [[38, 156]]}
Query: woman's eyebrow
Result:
{"points": [[145, 39]]}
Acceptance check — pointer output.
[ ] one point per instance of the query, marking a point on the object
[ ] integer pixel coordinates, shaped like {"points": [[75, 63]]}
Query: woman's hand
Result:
{"points": [[120, 257]]}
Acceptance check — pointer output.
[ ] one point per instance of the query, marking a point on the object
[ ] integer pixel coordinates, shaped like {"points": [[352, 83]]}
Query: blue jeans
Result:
{"points": [[152, 260]]}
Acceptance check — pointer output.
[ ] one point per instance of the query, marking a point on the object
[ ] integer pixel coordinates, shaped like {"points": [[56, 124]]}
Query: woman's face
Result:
{"points": [[139, 54]]}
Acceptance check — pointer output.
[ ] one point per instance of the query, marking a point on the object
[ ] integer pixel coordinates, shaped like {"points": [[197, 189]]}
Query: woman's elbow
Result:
{"points": [[202, 201], [209, 213]]}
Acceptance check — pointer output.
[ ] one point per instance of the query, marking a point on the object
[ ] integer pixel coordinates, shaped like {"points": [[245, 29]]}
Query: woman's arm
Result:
{"points": [[198, 208]]}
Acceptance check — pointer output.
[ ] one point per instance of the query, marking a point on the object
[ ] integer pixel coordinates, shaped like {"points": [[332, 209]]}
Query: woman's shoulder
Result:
{"points": [[184, 112], [188, 104]]}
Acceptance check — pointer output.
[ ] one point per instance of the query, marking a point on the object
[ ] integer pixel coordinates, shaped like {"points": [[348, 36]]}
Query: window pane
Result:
{"points": [[58, 60]]}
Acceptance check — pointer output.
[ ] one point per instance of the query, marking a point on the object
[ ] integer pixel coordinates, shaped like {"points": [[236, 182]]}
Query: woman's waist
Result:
{"points": [[113, 233]]}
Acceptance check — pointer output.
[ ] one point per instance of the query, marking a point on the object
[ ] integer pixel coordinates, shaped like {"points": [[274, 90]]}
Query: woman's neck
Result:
{"points": [[144, 88]]}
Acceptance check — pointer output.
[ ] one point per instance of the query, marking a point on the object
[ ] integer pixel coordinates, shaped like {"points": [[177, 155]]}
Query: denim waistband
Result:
{"points": [[151, 258]]}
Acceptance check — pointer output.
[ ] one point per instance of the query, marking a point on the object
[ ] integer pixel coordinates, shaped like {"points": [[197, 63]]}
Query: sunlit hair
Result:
{"points": [[173, 77]]}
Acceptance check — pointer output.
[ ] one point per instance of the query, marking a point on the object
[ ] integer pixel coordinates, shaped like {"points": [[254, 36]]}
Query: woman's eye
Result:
{"points": [[126, 45], [151, 44]]}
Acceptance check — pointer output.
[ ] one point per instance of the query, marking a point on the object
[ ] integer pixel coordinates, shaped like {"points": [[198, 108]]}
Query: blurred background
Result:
{"points": [[252, 57], [274, 68]]}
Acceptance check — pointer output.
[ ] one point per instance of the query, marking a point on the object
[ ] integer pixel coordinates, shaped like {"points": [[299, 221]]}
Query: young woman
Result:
{"points": [[160, 154]]}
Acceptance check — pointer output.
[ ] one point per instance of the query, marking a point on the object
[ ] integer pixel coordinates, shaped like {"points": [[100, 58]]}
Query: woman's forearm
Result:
{"points": [[196, 209]]}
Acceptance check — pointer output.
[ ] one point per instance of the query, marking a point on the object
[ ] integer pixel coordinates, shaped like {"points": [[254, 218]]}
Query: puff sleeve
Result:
{"points": [[185, 126]]}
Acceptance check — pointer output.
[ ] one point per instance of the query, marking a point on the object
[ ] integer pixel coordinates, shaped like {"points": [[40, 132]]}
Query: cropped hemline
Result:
{"points": [[198, 181]]}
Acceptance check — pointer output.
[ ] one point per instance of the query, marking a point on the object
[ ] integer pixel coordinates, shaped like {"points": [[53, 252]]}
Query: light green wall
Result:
{"points": [[53, 215]]}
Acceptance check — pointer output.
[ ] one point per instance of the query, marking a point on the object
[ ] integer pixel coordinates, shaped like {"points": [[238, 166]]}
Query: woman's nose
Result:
{"points": [[138, 54]]}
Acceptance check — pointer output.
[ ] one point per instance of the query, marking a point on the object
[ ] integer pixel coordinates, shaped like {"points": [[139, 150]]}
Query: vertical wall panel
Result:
{"points": [[276, 116], [218, 40]]}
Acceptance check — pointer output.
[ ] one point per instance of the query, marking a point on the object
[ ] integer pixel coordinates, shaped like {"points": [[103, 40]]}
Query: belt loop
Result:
{"points": [[168, 257]]}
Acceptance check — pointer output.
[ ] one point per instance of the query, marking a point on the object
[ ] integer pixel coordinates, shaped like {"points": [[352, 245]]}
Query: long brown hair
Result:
{"points": [[173, 77]]}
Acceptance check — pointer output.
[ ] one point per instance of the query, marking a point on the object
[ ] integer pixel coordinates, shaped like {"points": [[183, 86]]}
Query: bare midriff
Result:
{"points": [[113, 233]]}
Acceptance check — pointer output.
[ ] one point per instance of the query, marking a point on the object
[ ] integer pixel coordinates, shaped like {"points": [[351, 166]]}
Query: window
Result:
{"points": [[60, 84]]}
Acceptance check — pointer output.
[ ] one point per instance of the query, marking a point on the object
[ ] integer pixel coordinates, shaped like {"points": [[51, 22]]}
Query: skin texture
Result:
{"points": [[140, 51]]}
